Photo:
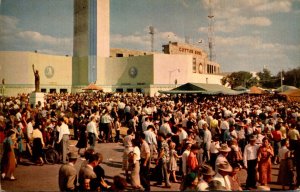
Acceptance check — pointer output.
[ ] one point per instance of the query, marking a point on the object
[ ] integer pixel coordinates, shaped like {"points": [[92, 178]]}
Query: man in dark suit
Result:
{"points": [[68, 175], [86, 172]]}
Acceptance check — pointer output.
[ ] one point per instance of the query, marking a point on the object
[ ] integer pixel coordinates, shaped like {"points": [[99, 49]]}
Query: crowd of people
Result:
{"points": [[201, 141]]}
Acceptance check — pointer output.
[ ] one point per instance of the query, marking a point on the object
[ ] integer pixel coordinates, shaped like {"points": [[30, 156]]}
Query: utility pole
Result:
{"points": [[211, 38], [281, 80]]}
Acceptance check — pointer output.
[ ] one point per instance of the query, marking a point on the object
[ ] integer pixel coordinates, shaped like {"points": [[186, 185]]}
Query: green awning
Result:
{"points": [[201, 88]]}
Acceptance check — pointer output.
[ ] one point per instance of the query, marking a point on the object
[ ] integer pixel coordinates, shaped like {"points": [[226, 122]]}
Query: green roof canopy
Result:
{"points": [[201, 88]]}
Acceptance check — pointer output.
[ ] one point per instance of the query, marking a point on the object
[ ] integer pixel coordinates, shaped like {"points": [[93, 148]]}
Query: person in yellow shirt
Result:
{"points": [[38, 144]]}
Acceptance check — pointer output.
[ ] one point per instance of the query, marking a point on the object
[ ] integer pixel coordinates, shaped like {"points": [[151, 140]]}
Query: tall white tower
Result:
{"points": [[91, 38]]}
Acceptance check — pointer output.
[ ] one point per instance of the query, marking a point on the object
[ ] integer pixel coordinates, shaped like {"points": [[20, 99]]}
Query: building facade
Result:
{"points": [[115, 69]]}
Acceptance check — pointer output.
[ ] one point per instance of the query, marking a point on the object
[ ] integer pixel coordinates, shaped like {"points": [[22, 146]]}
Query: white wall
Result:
{"points": [[115, 71], [16, 69], [166, 68]]}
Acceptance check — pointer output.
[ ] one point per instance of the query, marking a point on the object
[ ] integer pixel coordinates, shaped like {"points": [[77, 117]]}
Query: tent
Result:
{"points": [[240, 88], [284, 88], [92, 87], [201, 88], [256, 90], [292, 94]]}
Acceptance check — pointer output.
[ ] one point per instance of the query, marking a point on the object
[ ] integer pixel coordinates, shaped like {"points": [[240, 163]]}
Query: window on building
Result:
{"points": [[130, 90], [119, 55], [208, 66], [194, 65], [119, 90], [63, 90], [52, 90], [139, 90], [215, 69], [44, 90]]}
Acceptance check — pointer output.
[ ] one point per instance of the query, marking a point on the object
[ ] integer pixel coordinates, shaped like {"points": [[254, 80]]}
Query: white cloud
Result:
{"points": [[9, 25], [13, 38], [259, 21], [233, 24], [132, 39], [40, 38], [275, 6], [143, 40]]}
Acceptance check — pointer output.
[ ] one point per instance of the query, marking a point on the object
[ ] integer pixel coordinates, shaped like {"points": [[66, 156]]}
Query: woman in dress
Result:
{"points": [[264, 155], [38, 144], [8, 162], [82, 141], [20, 135], [173, 161]]}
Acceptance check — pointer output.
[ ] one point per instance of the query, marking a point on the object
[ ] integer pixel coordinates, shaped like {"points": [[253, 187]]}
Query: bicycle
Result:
{"points": [[51, 156]]}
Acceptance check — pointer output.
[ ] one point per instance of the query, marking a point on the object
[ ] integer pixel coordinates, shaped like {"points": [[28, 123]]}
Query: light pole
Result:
{"points": [[172, 71]]}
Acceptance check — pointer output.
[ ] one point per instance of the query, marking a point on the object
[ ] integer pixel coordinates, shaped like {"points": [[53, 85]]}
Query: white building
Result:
{"points": [[112, 69]]}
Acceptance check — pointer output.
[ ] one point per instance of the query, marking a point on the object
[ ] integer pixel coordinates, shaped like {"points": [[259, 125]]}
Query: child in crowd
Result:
{"points": [[173, 161]]}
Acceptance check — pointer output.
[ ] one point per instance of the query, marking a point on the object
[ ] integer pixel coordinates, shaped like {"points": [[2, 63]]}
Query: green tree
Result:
{"points": [[241, 78], [291, 77], [265, 79]]}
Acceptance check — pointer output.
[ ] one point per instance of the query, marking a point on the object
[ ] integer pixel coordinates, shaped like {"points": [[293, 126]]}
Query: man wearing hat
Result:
{"points": [[67, 178], [224, 169], [250, 161], [208, 174], [223, 153]]}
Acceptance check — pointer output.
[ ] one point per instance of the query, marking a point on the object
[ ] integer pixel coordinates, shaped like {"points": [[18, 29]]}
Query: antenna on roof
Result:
{"points": [[151, 32], [211, 38]]}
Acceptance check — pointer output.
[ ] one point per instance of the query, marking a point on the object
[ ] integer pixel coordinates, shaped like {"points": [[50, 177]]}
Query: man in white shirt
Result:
{"points": [[145, 163], [18, 115], [184, 158], [29, 130], [224, 169], [63, 138], [182, 133], [150, 138], [250, 162], [165, 128], [92, 131], [206, 142], [146, 123], [201, 121]]}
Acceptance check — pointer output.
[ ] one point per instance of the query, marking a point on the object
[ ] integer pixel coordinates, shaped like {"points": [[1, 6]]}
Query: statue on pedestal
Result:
{"points": [[36, 79]]}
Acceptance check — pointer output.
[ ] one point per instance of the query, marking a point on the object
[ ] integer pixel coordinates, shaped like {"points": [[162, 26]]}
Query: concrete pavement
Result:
{"points": [[45, 178]]}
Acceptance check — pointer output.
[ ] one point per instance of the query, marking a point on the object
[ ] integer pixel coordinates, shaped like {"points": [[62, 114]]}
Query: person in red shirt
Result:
{"points": [[192, 161], [277, 136]]}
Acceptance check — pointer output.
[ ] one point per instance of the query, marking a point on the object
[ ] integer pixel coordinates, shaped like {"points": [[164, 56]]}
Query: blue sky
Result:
{"points": [[249, 34]]}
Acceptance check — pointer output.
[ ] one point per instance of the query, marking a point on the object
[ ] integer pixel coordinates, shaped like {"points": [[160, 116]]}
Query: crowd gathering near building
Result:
{"points": [[201, 142]]}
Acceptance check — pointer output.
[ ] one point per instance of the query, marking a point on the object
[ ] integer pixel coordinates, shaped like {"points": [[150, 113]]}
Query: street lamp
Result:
{"points": [[172, 71]]}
